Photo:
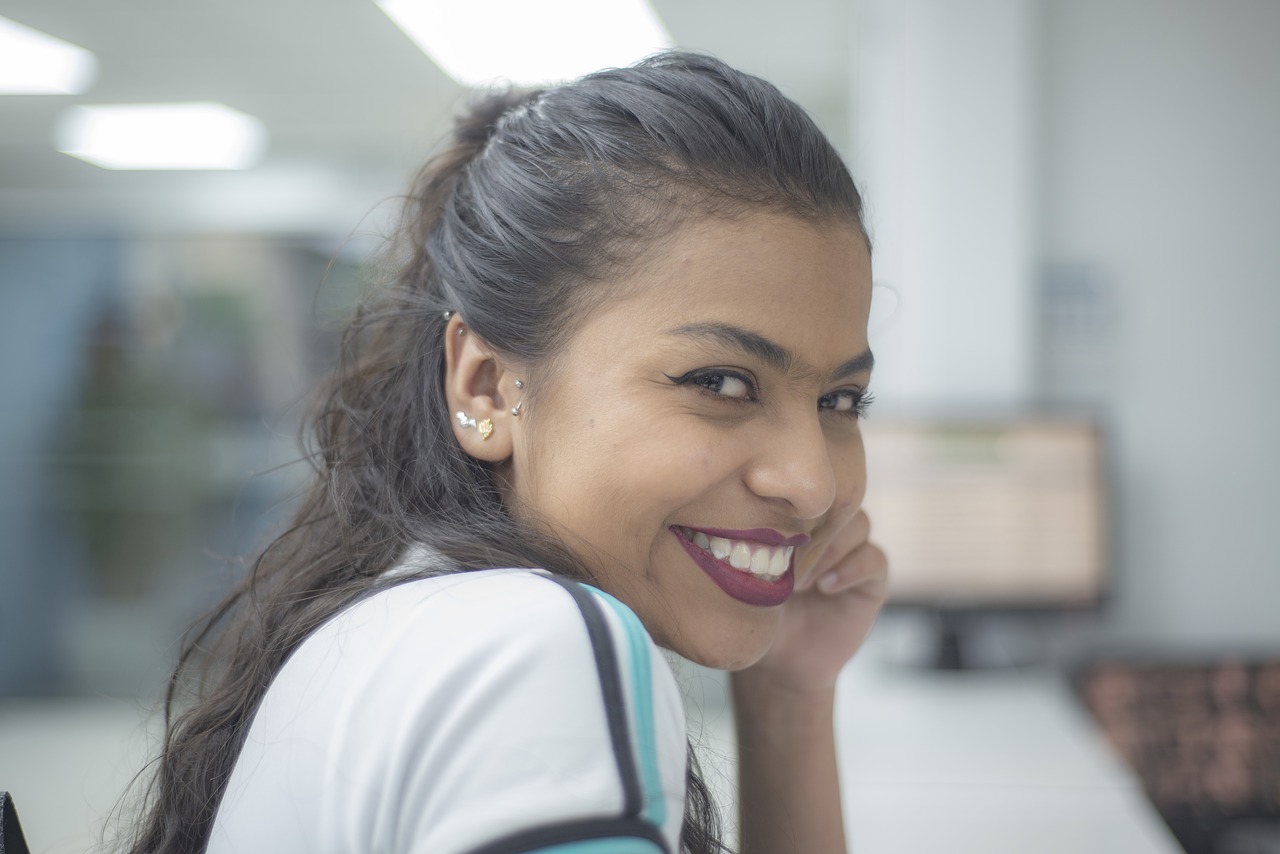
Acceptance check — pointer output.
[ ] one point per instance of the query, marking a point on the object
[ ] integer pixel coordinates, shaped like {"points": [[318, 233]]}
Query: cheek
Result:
{"points": [[619, 468], [851, 486], [666, 472], [607, 474]]}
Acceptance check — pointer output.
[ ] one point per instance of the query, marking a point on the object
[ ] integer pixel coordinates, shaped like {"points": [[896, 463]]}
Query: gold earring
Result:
{"points": [[467, 422]]}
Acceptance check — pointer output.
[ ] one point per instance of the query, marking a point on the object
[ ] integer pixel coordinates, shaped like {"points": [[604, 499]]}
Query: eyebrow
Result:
{"points": [[770, 352]]}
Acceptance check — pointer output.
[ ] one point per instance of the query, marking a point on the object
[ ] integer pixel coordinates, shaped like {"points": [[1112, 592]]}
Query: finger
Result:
{"points": [[866, 569], [845, 542], [840, 543], [859, 529], [824, 535]]}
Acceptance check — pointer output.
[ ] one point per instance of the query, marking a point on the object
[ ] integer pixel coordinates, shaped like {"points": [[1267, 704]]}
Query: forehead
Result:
{"points": [[798, 282]]}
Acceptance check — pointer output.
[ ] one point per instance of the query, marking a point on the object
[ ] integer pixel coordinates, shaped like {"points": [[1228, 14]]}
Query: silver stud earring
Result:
{"points": [[464, 420]]}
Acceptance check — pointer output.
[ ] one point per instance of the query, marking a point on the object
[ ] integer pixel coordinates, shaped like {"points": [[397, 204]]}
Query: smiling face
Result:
{"points": [[698, 429]]}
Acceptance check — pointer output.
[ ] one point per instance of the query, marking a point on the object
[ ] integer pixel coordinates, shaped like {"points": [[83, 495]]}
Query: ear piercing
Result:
{"points": [[515, 410], [485, 427], [462, 330], [466, 422]]}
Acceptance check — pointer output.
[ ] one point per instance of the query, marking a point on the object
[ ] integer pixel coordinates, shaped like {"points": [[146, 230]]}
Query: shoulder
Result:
{"points": [[437, 702], [415, 651], [470, 607]]}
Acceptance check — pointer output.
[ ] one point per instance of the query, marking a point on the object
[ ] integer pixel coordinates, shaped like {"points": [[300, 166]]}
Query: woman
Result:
{"points": [[607, 402]]}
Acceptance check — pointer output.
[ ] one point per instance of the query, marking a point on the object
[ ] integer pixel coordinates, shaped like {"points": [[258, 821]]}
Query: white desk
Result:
{"points": [[983, 762], [67, 762], [1000, 762]]}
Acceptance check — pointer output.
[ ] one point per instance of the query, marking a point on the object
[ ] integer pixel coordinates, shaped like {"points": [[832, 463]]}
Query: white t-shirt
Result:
{"points": [[492, 711]]}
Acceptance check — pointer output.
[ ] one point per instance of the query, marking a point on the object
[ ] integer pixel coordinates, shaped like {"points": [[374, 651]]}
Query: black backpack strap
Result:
{"points": [[629, 833], [11, 839]]}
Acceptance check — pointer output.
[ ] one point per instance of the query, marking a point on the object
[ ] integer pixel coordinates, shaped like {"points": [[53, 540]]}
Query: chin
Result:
{"points": [[718, 657]]}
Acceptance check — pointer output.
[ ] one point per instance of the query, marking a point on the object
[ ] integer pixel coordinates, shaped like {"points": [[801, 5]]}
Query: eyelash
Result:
{"points": [[705, 379], [861, 402]]}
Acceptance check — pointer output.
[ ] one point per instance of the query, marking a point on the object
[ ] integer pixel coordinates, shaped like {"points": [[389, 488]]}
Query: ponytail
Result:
{"points": [[438, 178]]}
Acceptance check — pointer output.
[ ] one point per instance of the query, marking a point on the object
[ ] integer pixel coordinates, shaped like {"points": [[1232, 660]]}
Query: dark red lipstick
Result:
{"points": [[742, 586]]}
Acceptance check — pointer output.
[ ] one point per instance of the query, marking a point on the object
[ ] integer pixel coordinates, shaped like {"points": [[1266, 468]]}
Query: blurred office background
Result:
{"points": [[1074, 205]]}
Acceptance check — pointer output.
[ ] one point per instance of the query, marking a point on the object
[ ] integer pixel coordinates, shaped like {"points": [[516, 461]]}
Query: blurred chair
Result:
{"points": [[11, 839], [1204, 737]]}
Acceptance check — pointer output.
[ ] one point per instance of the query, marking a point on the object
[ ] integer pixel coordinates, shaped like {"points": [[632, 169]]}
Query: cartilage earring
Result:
{"points": [[515, 410]]}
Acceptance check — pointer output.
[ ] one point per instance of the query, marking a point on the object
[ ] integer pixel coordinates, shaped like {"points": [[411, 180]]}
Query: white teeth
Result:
{"points": [[760, 560]]}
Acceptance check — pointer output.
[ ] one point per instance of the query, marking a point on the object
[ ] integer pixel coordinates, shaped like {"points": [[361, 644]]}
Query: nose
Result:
{"points": [[794, 466]]}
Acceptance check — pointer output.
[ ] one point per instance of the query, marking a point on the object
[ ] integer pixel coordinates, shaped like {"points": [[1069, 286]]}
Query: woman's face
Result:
{"points": [[699, 428]]}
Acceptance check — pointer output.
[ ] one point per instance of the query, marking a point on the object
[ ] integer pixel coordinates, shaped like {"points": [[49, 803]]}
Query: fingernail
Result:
{"points": [[828, 582]]}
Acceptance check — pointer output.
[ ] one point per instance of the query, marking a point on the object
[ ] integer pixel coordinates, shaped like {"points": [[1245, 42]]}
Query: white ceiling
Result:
{"points": [[351, 106]]}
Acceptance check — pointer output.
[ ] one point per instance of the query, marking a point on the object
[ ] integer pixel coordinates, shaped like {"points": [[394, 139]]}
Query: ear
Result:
{"points": [[479, 386]]}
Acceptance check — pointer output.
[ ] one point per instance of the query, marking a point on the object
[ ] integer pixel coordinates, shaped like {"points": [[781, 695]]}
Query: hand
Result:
{"points": [[841, 582]]}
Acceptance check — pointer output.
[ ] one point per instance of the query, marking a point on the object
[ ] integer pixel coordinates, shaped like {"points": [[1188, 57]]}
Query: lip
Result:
{"points": [[767, 536], [743, 586]]}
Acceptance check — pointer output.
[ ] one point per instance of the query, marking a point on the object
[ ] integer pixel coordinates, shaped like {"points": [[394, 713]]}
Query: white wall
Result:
{"points": [[945, 149], [1162, 175]]}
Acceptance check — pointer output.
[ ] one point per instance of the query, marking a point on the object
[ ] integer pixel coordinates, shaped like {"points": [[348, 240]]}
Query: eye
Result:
{"points": [[851, 402], [721, 383], [727, 385]]}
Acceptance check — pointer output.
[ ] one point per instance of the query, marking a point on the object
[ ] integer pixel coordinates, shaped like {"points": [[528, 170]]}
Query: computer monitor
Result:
{"points": [[988, 516]]}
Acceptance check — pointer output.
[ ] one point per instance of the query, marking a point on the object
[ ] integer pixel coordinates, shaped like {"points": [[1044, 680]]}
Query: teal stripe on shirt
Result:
{"points": [[605, 846], [655, 809]]}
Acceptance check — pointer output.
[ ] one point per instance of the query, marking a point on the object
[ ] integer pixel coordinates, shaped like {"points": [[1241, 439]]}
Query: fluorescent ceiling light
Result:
{"points": [[162, 136], [528, 42], [33, 63]]}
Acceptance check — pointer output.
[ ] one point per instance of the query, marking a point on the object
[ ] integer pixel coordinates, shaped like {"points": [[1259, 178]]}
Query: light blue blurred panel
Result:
{"points": [[49, 293]]}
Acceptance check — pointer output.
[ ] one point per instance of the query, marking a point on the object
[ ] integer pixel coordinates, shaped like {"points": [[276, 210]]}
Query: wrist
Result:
{"points": [[779, 706], [764, 686]]}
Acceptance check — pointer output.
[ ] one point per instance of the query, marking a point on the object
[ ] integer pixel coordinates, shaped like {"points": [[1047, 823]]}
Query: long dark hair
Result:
{"points": [[539, 199]]}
